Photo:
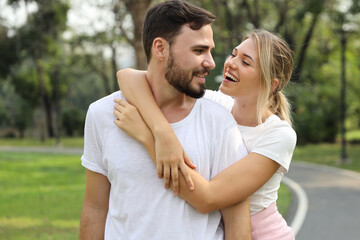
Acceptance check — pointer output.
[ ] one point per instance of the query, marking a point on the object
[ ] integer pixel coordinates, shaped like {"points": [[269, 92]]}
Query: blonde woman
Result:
{"points": [[254, 76]]}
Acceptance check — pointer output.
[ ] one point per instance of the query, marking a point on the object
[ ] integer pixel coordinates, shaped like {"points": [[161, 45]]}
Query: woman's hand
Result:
{"points": [[170, 156], [130, 121]]}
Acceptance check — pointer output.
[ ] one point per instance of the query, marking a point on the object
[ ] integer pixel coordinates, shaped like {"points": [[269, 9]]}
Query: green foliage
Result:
{"points": [[71, 73], [15, 112], [315, 119], [7, 54], [73, 121], [353, 136], [25, 82]]}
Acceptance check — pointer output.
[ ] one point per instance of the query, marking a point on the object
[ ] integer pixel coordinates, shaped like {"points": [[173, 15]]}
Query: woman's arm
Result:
{"points": [[237, 221], [236, 217], [233, 185], [170, 155]]}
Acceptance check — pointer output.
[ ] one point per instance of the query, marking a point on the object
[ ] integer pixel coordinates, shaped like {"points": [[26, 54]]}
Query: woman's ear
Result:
{"points": [[160, 46], [274, 84]]}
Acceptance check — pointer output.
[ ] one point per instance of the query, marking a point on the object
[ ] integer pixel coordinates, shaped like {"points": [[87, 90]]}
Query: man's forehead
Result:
{"points": [[202, 38]]}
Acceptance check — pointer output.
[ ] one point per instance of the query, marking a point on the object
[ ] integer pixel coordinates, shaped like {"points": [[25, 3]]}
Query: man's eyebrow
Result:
{"points": [[205, 47]]}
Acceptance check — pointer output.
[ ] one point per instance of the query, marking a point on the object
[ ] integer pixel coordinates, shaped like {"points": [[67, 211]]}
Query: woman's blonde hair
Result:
{"points": [[276, 62]]}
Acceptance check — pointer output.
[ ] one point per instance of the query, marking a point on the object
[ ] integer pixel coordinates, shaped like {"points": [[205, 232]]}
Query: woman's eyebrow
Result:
{"points": [[249, 57]]}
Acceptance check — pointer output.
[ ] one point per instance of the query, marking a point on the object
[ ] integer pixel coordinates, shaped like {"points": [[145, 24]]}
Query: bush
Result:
{"points": [[73, 121], [316, 115]]}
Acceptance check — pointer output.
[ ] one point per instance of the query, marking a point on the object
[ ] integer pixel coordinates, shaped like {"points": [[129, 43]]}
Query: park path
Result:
{"points": [[333, 198]]}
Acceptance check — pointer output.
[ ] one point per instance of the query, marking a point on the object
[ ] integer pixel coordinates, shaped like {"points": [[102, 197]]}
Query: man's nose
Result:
{"points": [[209, 62]]}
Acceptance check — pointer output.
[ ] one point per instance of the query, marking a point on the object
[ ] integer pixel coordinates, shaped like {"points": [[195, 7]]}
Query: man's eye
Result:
{"points": [[199, 50], [231, 54]]}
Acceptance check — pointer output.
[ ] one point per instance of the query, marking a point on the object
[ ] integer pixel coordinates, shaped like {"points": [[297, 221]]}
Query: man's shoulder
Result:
{"points": [[214, 108], [105, 103], [216, 112]]}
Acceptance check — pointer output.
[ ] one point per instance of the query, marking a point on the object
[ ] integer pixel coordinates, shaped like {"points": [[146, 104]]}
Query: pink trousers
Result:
{"points": [[268, 224]]}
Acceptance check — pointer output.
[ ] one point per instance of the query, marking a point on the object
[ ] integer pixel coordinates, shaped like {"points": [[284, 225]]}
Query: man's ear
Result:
{"points": [[160, 48], [274, 84]]}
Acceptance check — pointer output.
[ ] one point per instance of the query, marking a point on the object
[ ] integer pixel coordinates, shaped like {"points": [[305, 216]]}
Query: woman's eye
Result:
{"points": [[231, 54], [246, 63]]}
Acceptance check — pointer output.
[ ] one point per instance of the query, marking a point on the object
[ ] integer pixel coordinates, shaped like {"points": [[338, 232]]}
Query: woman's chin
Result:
{"points": [[224, 89]]}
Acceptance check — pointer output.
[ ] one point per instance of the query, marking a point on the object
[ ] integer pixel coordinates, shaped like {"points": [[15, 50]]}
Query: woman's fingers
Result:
{"points": [[159, 168], [186, 173], [175, 178], [167, 176], [121, 102], [188, 161]]}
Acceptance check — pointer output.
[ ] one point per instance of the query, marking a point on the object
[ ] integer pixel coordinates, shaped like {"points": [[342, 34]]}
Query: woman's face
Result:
{"points": [[241, 76]]}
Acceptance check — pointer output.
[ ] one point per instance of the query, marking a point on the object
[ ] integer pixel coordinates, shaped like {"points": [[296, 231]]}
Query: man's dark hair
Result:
{"points": [[166, 18]]}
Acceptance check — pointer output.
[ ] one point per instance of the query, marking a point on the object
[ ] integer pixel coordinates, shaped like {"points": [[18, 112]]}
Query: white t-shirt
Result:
{"points": [[139, 206], [274, 139]]}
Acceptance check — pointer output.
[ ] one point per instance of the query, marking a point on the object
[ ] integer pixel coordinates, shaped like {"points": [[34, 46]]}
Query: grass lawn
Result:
{"points": [[284, 199], [26, 142], [329, 154], [41, 196]]}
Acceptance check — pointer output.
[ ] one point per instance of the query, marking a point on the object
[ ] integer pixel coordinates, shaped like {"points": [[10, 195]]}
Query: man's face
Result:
{"points": [[190, 60]]}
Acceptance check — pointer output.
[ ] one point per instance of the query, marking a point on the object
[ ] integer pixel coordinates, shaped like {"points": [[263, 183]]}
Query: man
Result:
{"points": [[123, 198]]}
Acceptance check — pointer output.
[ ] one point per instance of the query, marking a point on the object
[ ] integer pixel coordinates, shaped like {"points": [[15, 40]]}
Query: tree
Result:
{"points": [[344, 27], [38, 46], [137, 10]]}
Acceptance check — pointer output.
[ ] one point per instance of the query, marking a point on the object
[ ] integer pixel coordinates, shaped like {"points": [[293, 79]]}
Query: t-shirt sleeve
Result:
{"points": [[277, 143], [92, 155], [231, 148], [220, 98]]}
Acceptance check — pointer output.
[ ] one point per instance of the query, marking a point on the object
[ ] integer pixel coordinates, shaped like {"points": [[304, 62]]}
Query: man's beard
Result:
{"points": [[181, 79]]}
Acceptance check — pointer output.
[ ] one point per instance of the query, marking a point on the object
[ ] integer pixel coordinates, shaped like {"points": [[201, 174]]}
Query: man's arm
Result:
{"points": [[237, 221], [95, 206]]}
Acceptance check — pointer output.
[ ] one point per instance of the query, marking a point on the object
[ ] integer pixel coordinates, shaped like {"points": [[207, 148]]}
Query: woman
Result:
{"points": [[254, 75]]}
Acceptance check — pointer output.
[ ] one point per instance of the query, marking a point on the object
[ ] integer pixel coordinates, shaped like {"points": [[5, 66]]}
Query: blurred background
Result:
{"points": [[58, 56]]}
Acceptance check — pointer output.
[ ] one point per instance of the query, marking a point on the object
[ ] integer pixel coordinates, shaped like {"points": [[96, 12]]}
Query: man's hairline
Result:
{"points": [[173, 39]]}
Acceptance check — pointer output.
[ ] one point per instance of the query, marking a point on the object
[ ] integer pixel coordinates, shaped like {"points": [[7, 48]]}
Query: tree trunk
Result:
{"points": [[137, 10], [101, 70], [48, 107], [343, 158], [57, 112], [46, 102], [304, 46], [114, 68]]}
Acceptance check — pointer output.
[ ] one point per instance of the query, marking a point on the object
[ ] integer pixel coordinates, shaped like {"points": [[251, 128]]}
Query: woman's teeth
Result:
{"points": [[230, 77]]}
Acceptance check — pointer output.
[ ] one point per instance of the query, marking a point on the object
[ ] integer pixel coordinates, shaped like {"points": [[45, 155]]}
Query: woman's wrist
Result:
{"points": [[162, 132]]}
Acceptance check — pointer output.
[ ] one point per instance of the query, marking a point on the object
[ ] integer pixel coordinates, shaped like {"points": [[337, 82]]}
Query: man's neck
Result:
{"points": [[174, 105]]}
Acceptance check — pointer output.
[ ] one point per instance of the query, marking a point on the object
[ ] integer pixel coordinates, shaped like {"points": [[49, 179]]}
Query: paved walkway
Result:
{"points": [[333, 197]]}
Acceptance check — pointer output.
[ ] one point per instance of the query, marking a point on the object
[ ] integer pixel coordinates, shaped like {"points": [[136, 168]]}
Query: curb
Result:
{"points": [[302, 204]]}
